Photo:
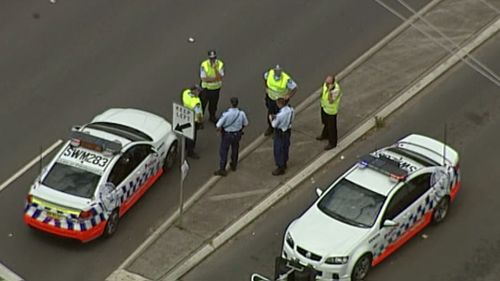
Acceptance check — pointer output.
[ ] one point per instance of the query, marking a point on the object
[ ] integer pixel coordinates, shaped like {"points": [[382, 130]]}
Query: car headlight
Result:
{"points": [[337, 260], [289, 240]]}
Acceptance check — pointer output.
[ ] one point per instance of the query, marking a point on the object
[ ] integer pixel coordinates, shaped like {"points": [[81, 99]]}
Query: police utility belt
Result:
{"points": [[282, 133]]}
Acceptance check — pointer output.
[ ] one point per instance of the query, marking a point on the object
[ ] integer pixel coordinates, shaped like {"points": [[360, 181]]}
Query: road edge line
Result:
{"points": [[28, 166], [8, 275]]}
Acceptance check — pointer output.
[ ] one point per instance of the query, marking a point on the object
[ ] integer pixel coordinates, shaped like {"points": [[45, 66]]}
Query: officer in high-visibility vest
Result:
{"points": [[191, 100], [330, 100], [278, 85], [211, 74]]}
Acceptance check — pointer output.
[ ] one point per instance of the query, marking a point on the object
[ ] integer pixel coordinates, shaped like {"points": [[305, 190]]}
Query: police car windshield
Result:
{"points": [[352, 204], [71, 180]]}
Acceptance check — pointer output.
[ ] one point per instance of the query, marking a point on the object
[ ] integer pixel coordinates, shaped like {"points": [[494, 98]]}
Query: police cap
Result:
{"points": [[212, 54]]}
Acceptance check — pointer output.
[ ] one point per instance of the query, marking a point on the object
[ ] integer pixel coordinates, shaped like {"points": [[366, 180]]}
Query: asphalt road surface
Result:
{"points": [[64, 62], [465, 247]]}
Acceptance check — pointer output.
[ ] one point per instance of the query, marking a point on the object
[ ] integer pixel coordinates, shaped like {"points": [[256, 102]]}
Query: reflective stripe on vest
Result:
{"points": [[330, 108], [210, 72], [277, 88]]}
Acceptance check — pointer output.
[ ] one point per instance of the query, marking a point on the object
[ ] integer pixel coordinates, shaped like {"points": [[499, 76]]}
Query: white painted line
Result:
{"points": [[326, 157], [8, 275], [30, 164], [239, 195]]}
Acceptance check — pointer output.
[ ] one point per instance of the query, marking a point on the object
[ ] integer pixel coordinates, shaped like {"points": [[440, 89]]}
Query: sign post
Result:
{"points": [[183, 123]]}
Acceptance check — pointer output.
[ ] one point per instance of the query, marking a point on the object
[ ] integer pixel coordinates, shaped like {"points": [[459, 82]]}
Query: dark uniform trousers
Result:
{"points": [[272, 108], [229, 140], [281, 146], [329, 127], [210, 98], [191, 143]]}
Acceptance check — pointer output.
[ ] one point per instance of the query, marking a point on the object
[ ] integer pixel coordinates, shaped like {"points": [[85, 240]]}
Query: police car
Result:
{"points": [[99, 173], [374, 208]]}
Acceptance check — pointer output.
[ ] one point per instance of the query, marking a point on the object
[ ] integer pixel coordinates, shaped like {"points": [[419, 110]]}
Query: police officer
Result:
{"points": [[282, 123], [230, 125], [278, 85], [330, 99], [191, 100], [211, 73]]}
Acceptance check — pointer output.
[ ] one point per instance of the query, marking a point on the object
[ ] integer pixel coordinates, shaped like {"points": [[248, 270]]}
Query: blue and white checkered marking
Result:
{"points": [[69, 222], [100, 214]]}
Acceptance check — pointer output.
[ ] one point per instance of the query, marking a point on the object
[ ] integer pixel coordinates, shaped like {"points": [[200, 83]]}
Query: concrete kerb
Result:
{"points": [[329, 155]]}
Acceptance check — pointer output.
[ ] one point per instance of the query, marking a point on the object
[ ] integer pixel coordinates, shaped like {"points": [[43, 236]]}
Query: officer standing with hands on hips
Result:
{"points": [[211, 73], [330, 100], [230, 125], [282, 123], [278, 85], [191, 100]]}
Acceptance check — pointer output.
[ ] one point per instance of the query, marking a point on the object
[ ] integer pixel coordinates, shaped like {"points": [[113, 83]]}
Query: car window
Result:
{"points": [[397, 203], [419, 186], [128, 162], [352, 204], [71, 180], [122, 168], [139, 153]]}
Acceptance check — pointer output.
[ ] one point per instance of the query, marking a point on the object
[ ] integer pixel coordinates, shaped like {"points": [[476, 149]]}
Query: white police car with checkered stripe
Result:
{"points": [[374, 208], [99, 173]]}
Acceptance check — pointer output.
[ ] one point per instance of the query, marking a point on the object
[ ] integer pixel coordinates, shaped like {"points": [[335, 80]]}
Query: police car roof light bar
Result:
{"points": [[78, 138], [383, 165]]}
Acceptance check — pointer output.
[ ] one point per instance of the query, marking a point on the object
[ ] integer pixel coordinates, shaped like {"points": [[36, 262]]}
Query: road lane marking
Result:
{"points": [[30, 164], [7, 274]]}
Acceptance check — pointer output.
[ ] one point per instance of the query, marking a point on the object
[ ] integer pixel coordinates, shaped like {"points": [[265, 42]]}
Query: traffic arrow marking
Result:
{"points": [[180, 127]]}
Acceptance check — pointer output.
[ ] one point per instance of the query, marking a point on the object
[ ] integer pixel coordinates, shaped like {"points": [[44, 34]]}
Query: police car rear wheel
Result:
{"points": [[112, 224], [441, 210], [171, 156], [361, 268]]}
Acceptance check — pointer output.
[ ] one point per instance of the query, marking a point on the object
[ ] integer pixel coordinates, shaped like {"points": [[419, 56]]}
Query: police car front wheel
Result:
{"points": [[361, 268], [112, 224]]}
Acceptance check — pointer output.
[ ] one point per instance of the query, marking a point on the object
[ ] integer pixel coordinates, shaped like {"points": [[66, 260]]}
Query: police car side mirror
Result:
{"points": [[390, 223], [257, 277], [319, 192], [155, 151]]}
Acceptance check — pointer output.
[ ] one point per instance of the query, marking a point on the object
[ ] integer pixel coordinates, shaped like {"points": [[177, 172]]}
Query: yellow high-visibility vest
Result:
{"points": [[210, 71], [330, 108], [277, 88], [190, 101]]}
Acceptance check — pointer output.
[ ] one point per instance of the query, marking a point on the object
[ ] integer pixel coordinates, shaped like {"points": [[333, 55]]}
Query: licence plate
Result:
{"points": [[54, 215]]}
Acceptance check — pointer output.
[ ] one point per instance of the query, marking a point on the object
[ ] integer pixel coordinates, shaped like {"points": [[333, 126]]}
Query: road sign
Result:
{"points": [[183, 121]]}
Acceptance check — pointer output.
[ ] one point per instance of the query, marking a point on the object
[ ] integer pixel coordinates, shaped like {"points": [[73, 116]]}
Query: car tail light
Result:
{"points": [[29, 198], [85, 214]]}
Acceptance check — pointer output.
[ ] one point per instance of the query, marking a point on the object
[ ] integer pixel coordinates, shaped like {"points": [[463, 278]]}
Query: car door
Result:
{"points": [[145, 163], [422, 197], [116, 187], [405, 212]]}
